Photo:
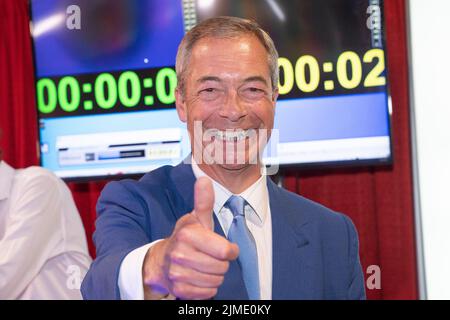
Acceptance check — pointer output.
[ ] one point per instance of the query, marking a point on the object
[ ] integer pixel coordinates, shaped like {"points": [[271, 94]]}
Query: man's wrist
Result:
{"points": [[154, 281]]}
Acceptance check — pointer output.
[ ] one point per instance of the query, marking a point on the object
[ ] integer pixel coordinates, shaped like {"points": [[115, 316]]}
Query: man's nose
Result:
{"points": [[233, 107]]}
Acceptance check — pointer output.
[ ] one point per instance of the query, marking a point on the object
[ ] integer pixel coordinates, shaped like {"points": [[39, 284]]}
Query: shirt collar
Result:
{"points": [[256, 195], [6, 180]]}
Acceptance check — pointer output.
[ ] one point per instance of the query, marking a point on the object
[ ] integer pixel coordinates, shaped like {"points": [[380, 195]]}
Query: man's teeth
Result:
{"points": [[231, 136]]}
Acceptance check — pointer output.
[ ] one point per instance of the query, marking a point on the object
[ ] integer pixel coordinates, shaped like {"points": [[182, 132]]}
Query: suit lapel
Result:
{"points": [[181, 192], [181, 199], [293, 274]]}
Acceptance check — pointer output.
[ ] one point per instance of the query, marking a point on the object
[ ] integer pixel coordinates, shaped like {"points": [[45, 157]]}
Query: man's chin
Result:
{"points": [[234, 167], [237, 166]]}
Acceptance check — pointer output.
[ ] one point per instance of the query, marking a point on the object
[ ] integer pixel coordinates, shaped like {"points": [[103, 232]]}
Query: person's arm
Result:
{"points": [[356, 289], [191, 263], [32, 231], [131, 284], [121, 226]]}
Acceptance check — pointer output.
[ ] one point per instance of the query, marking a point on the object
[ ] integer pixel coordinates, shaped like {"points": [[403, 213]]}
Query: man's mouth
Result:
{"points": [[232, 135]]}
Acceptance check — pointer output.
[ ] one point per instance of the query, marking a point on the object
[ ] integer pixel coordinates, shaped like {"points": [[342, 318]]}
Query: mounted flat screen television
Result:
{"points": [[105, 81]]}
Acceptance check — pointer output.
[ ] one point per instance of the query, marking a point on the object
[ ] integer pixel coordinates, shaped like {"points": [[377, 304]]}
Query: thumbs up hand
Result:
{"points": [[204, 202], [192, 262]]}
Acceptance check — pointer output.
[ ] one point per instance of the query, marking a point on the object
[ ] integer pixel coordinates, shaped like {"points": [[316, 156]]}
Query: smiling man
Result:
{"points": [[229, 91], [215, 226]]}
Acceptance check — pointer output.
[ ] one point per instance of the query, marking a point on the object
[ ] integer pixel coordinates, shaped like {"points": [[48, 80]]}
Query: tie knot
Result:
{"points": [[236, 205]]}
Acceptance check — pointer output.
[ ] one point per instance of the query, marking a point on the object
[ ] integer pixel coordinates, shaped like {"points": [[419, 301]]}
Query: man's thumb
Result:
{"points": [[204, 201]]}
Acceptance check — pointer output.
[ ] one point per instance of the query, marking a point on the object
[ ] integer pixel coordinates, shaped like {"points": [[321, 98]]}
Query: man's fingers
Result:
{"points": [[183, 290], [189, 257], [209, 242], [204, 202], [179, 273]]}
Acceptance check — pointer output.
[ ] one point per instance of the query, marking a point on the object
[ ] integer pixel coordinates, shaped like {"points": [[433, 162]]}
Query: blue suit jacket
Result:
{"points": [[315, 250]]}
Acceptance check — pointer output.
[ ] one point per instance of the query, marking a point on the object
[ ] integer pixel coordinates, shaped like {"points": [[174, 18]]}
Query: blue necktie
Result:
{"points": [[248, 256]]}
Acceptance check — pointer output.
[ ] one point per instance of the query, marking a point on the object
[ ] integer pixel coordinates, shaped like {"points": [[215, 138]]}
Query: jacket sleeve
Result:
{"points": [[356, 289], [122, 221]]}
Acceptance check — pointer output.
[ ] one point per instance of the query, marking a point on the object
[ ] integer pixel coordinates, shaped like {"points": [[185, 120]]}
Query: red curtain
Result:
{"points": [[18, 122], [378, 199]]}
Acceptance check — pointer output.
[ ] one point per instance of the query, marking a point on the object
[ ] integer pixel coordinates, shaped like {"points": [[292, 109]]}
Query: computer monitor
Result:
{"points": [[105, 81]]}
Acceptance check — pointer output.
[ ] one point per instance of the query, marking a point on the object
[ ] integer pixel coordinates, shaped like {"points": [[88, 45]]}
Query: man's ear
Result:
{"points": [[180, 103], [275, 95]]}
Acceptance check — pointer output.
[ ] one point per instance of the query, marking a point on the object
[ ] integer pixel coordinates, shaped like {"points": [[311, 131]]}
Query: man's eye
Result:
{"points": [[253, 93], [209, 94], [208, 91], [255, 90]]}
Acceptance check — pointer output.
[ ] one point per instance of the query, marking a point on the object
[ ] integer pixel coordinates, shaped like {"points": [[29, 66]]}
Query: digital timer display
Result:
{"points": [[350, 71], [100, 93], [141, 89], [105, 81]]}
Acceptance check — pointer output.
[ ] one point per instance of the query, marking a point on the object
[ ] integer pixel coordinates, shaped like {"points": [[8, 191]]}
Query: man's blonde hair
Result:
{"points": [[223, 28]]}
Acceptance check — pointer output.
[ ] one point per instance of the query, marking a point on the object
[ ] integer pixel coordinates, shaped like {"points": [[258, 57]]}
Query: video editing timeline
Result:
{"points": [[116, 147]]}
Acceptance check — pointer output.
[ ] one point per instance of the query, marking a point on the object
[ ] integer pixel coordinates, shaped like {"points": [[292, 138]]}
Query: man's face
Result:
{"points": [[228, 94]]}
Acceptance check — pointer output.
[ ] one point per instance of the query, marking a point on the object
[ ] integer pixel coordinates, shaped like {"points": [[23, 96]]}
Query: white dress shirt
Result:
{"points": [[259, 222], [43, 250]]}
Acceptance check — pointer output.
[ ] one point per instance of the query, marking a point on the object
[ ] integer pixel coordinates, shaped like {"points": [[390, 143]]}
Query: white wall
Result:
{"points": [[430, 103]]}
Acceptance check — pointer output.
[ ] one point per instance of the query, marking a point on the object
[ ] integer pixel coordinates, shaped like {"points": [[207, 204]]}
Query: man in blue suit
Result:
{"points": [[217, 227]]}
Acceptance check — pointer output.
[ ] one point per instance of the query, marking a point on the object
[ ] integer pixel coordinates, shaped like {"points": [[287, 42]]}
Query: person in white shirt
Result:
{"points": [[43, 249]]}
